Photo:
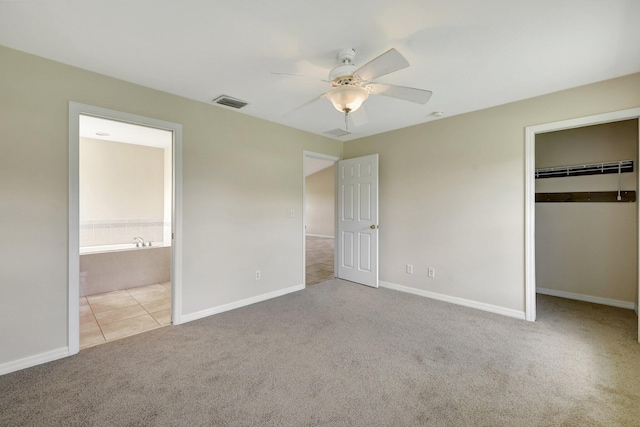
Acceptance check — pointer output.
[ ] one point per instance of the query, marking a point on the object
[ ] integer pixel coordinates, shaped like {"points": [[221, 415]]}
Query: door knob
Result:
{"points": [[373, 226]]}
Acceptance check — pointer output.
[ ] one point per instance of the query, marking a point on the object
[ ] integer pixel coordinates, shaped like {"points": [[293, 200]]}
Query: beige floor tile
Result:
{"points": [[166, 285], [90, 338], [83, 301], [121, 313], [126, 327], [157, 305], [88, 323], [146, 297], [145, 289], [112, 304], [107, 296], [85, 309], [163, 316]]}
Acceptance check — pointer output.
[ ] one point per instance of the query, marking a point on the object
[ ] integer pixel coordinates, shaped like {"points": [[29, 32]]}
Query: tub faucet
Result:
{"points": [[139, 241]]}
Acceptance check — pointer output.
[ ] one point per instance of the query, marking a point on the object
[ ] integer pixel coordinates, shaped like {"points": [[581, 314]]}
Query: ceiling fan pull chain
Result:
{"points": [[346, 120]]}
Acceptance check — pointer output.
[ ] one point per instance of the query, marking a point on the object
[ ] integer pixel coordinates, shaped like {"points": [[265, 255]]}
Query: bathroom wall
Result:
{"points": [[122, 192]]}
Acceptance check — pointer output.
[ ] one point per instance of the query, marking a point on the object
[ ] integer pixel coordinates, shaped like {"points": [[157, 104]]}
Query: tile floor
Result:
{"points": [[319, 260], [118, 314]]}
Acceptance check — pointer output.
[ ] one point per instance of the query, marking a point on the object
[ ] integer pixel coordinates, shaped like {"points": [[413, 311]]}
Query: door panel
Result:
{"points": [[358, 220]]}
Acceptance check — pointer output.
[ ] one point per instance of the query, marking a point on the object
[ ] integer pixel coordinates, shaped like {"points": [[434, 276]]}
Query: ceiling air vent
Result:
{"points": [[228, 101], [337, 132]]}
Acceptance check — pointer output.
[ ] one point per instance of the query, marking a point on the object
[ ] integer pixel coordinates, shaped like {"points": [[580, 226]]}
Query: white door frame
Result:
{"points": [[310, 154], [530, 167], [75, 110]]}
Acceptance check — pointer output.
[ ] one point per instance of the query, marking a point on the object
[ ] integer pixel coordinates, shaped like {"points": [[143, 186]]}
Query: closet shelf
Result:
{"points": [[586, 169], [586, 196]]}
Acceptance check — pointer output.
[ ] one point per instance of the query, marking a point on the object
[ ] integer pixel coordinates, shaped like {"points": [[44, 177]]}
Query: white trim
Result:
{"points": [[320, 235], [530, 213], [239, 304], [176, 224], [588, 298], [314, 155], [518, 314], [38, 359], [530, 227], [73, 338], [75, 110]]}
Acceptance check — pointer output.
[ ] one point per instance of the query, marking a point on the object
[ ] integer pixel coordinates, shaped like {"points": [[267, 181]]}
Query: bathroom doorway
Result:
{"points": [[124, 218]]}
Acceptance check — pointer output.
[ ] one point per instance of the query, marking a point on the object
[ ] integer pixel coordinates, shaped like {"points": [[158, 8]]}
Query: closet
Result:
{"points": [[586, 213]]}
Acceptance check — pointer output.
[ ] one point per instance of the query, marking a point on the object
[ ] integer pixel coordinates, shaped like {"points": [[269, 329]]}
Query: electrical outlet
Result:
{"points": [[431, 272], [291, 213], [257, 274], [409, 268]]}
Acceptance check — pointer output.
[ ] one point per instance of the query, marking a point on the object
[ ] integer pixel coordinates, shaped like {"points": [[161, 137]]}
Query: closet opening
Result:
{"points": [[582, 214]]}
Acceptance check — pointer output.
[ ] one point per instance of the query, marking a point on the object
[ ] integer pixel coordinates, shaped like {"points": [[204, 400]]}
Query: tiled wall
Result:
{"points": [[112, 271], [117, 231]]}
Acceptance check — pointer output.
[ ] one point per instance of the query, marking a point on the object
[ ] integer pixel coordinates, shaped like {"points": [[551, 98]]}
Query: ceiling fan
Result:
{"points": [[352, 85]]}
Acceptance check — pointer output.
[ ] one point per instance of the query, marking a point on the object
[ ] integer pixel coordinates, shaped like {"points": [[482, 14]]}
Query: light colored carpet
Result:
{"points": [[341, 354]]}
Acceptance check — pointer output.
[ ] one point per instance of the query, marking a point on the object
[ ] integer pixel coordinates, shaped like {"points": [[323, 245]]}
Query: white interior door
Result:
{"points": [[358, 220]]}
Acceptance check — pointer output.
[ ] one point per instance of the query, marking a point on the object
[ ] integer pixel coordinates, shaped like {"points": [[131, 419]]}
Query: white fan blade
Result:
{"points": [[305, 104], [359, 117], [419, 96], [302, 77], [386, 63]]}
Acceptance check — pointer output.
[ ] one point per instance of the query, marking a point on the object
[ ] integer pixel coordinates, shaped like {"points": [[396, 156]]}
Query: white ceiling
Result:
{"points": [[128, 133], [471, 54]]}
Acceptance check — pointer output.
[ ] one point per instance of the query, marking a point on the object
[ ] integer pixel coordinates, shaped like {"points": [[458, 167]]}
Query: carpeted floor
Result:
{"points": [[340, 354]]}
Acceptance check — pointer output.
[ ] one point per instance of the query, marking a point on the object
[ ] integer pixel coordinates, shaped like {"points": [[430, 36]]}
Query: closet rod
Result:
{"points": [[586, 169]]}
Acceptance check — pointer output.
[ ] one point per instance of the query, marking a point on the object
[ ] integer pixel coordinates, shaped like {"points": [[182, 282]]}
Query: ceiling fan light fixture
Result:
{"points": [[347, 98]]}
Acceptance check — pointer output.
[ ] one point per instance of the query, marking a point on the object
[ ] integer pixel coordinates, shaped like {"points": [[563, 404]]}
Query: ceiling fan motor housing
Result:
{"points": [[343, 75]]}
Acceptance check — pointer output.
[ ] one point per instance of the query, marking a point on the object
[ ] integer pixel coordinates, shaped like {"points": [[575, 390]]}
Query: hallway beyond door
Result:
{"points": [[319, 259]]}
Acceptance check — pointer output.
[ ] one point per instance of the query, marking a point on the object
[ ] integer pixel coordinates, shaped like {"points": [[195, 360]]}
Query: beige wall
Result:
{"points": [[240, 176], [320, 202], [451, 195], [120, 181], [588, 248], [452, 192]]}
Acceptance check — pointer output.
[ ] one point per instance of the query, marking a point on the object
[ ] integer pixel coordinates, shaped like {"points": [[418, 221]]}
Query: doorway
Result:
{"points": [[124, 224], [125, 181], [530, 216], [319, 218]]}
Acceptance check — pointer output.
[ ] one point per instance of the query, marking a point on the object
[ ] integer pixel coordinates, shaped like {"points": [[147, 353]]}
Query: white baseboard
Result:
{"points": [[588, 298], [455, 300], [38, 359], [238, 304], [319, 235]]}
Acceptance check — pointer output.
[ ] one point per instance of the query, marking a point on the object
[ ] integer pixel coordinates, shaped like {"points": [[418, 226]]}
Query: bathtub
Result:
{"points": [[121, 247], [116, 267]]}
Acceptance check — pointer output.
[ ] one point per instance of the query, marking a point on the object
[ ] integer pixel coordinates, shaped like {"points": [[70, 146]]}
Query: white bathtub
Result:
{"points": [[116, 267], [121, 247]]}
